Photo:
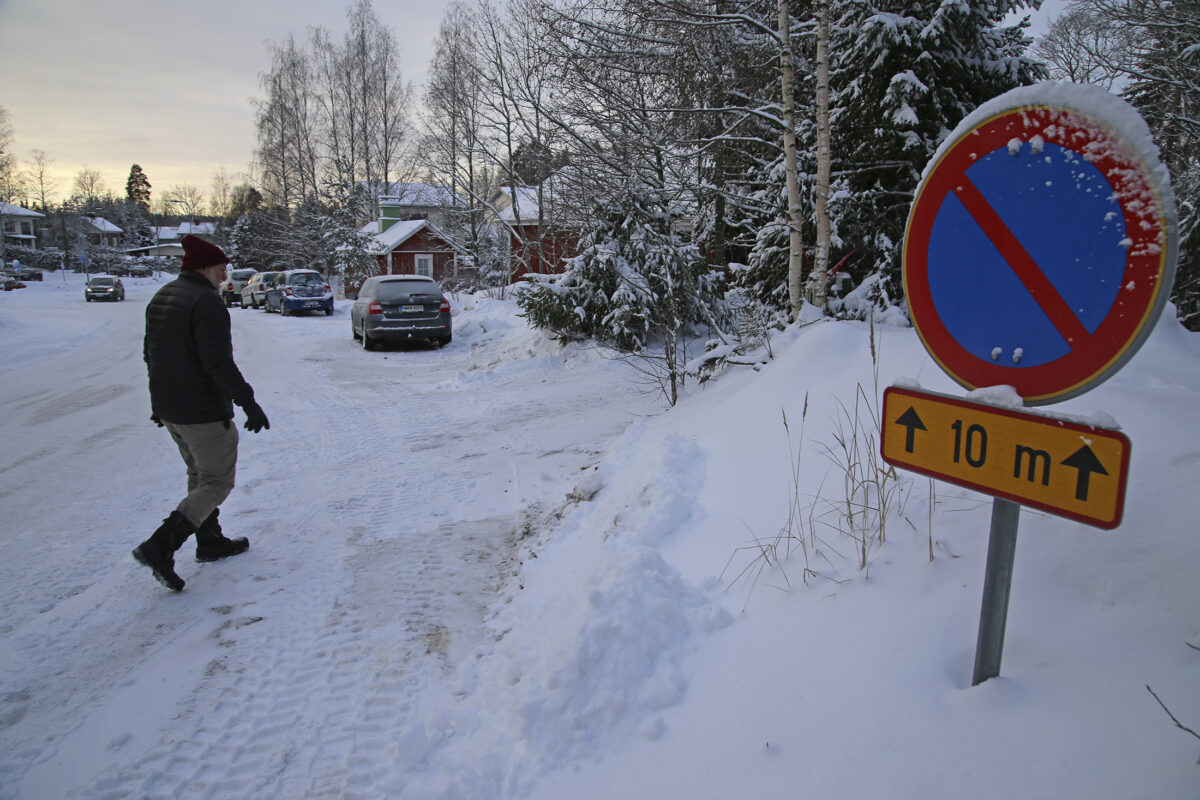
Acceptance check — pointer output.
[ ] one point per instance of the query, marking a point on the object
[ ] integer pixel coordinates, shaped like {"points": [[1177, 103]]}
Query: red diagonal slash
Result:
{"points": [[1026, 269]]}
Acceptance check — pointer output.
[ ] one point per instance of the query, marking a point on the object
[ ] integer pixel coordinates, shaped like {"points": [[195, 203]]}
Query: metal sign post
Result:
{"points": [[997, 585]]}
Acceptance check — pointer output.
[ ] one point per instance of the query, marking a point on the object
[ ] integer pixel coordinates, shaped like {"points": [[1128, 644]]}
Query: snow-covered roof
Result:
{"points": [[103, 225], [199, 228], [526, 203], [9, 210], [425, 195], [393, 237], [167, 233]]}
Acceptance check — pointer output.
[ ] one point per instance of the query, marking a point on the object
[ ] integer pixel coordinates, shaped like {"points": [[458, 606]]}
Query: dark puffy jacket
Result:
{"points": [[189, 354]]}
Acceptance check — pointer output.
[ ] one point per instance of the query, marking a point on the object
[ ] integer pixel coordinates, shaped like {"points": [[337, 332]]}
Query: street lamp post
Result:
{"points": [[3, 203]]}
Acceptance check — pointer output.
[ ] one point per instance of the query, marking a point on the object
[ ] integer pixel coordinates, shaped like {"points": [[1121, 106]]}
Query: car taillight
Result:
{"points": [[374, 308], [287, 290], [445, 309], [328, 289]]}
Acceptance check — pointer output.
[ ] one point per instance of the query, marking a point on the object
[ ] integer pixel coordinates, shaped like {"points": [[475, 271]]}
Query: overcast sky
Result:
{"points": [[166, 84]]}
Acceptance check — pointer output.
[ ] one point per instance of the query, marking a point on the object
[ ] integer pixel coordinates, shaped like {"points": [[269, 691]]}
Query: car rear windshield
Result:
{"points": [[102, 281], [242, 274], [307, 279], [392, 290]]}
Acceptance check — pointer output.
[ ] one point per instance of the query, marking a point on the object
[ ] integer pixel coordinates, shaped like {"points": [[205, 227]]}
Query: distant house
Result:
{"points": [[19, 225], [409, 246], [535, 244], [411, 201], [102, 232], [173, 233], [168, 236]]}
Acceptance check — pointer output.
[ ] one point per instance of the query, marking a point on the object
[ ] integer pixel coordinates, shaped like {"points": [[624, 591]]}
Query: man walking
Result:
{"points": [[194, 383]]}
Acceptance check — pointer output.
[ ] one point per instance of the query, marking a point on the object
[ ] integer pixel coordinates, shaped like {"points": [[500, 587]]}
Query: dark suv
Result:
{"points": [[104, 287]]}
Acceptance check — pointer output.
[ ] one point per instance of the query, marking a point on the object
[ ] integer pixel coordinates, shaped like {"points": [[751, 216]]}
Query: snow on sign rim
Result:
{"points": [[1042, 243]]}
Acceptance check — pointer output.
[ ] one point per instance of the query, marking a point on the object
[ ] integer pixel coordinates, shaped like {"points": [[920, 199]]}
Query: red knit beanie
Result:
{"points": [[198, 253]]}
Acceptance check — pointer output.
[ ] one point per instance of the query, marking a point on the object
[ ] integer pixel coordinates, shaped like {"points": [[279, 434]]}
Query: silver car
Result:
{"points": [[254, 293], [231, 287], [395, 308]]}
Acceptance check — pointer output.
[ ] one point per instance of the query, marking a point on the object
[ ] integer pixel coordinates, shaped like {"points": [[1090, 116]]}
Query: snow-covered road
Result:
{"points": [[496, 572], [385, 509]]}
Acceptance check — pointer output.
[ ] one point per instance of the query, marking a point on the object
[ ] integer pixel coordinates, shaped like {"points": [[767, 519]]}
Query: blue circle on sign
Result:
{"points": [[1065, 214]]}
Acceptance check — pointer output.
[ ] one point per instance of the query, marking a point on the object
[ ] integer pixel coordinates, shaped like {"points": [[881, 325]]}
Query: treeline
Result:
{"points": [[666, 121]]}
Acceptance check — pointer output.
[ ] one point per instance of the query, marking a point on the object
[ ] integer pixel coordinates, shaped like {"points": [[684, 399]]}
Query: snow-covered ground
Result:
{"points": [[503, 570]]}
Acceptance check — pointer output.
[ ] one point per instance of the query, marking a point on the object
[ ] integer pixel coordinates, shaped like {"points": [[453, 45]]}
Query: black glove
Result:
{"points": [[154, 418], [256, 420]]}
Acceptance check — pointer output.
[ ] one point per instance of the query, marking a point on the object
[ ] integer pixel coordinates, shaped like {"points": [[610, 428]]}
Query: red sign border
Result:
{"points": [[1087, 430], [1133, 315]]}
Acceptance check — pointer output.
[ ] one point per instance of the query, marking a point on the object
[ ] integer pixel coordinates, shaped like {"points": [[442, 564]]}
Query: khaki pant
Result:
{"points": [[210, 452]]}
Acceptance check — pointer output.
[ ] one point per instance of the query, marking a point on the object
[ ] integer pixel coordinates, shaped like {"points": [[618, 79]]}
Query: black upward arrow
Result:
{"points": [[912, 421], [1086, 462]]}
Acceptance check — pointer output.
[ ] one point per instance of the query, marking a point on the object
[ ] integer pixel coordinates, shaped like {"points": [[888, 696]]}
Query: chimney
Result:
{"points": [[389, 212]]}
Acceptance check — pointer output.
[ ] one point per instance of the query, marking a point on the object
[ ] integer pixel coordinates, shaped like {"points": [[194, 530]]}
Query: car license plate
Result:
{"points": [[311, 304], [410, 309]]}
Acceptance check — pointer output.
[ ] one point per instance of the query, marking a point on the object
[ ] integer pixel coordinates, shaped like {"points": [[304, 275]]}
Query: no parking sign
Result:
{"points": [[1041, 246], [1040, 252]]}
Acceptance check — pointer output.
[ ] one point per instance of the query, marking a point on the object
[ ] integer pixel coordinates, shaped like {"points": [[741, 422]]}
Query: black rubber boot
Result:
{"points": [[158, 552], [211, 544]]}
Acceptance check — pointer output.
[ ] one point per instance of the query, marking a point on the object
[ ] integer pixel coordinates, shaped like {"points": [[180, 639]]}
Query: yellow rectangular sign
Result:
{"points": [[1063, 467]]}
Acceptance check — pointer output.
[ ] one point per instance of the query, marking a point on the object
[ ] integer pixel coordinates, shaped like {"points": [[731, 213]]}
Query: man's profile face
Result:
{"points": [[215, 274]]}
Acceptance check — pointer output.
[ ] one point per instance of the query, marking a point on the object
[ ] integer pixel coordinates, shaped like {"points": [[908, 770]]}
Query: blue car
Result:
{"points": [[300, 290]]}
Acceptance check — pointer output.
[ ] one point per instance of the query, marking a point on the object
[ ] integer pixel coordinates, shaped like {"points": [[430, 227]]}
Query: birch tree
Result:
{"points": [[452, 153]]}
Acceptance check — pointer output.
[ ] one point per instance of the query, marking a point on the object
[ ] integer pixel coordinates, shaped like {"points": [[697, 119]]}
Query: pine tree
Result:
{"points": [[1165, 89], [137, 188], [905, 74]]}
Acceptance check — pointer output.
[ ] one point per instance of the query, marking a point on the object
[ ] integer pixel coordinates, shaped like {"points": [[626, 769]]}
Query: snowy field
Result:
{"points": [[502, 570]]}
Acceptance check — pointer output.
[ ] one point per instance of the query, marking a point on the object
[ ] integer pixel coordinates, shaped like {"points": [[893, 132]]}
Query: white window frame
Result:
{"points": [[423, 264]]}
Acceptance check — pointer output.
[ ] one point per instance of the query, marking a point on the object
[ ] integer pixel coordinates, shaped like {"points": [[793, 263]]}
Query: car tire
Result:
{"points": [[354, 332], [444, 340], [366, 339], [87, 298], [283, 309], [329, 312]]}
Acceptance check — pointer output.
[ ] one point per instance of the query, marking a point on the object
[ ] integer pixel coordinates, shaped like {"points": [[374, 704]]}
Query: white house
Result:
{"points": [[19, 225]]}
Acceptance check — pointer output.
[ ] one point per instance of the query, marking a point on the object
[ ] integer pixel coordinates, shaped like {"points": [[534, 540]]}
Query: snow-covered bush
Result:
{"points": [[873, 299], [634, 284]]}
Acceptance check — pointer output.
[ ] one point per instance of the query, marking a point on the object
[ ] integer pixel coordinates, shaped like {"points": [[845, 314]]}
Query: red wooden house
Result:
{"points": [[409, 246], [538, 241]]}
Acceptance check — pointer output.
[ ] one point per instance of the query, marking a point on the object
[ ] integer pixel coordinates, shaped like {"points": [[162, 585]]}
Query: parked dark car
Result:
{"points": [[10, 282], [300, 290], [104, 287], [394, 308], [254, 293], [231, 287], [24, 273], [140, 271]]}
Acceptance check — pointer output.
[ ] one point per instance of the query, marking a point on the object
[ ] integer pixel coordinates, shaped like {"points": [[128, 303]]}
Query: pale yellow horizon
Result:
{"points": [[164, 84]]}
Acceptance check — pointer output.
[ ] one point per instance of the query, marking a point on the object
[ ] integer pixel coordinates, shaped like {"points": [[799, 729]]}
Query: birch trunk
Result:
{"points": [[821, 269], [795, 246]]}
